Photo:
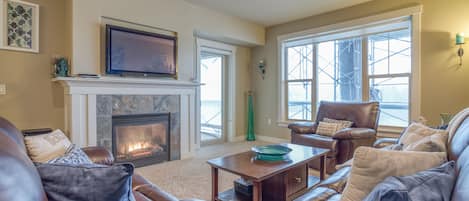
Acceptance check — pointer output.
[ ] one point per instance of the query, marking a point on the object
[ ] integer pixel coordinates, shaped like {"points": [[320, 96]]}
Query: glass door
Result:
{"points": [[211, 98]]}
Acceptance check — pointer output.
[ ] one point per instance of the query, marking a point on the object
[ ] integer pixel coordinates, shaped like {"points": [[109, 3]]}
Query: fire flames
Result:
{"points": [[138, 146]]}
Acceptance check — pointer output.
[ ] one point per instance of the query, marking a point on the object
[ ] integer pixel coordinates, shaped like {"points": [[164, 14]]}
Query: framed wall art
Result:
{"points": [[19, 23]]}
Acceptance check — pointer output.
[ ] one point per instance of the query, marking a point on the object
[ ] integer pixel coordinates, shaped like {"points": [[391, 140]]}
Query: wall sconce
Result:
{"points": [[460, 42], [261, 67]]}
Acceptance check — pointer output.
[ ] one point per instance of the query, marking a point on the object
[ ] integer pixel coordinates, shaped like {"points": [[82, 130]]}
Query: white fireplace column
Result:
{"points": [[80, 105]]}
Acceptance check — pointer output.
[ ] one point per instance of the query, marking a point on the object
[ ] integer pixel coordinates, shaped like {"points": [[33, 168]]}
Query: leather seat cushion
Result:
{"points": [[316, 140], [319, 193]]}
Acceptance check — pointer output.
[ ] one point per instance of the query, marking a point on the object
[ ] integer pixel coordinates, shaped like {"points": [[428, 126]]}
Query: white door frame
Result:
{"points": [[229, 52]]}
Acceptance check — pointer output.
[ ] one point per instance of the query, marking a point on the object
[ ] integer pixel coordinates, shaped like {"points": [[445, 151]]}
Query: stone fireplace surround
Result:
{"points": [[109, 105], [90, 103]]}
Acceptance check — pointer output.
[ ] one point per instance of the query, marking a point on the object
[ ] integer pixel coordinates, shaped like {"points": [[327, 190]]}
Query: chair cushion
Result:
{"points": [[437, 183], [337, 180], [317, 194], [316, 140]]}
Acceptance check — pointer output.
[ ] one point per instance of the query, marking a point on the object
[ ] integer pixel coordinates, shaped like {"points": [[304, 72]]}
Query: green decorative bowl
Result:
{"points": [[271, 152]]}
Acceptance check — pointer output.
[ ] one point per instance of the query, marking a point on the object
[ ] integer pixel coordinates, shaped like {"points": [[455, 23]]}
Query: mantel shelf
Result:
{"points": [[70, 81]]}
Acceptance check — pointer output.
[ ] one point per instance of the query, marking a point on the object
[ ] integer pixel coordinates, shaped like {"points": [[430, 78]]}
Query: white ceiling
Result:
{"points": [[272, 12]]}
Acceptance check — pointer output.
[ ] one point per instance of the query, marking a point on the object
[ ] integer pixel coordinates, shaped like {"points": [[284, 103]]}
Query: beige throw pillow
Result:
{"points": [[371, 166], [417, 138], [45, 147], [328, 129], [344, 123], [432, 143]]}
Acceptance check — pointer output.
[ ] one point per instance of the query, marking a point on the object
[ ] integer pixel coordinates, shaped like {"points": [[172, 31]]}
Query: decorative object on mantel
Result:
{"points": [[460, 42], [61, 67], [250, 136], [19, 26], [261, 68]]}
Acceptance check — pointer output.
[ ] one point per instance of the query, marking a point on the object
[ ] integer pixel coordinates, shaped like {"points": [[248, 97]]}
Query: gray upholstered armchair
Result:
{"points": [[343, 143]]}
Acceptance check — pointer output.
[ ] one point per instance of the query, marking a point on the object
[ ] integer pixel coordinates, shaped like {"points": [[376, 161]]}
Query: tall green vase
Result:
{"points": [[250, 136]]}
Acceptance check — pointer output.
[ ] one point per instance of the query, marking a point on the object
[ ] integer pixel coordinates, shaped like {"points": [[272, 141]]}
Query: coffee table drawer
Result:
{"points": [[296, 179]]}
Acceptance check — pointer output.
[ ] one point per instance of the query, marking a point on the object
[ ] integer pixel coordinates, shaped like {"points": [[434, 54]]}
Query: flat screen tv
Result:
{"points": [[130, 51]]}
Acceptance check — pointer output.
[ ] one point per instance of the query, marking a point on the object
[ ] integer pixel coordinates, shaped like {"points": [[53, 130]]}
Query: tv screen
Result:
{"points": [[134, 51]]}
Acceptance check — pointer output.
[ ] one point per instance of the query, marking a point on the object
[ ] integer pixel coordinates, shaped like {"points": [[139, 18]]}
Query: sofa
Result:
{"points": [[343, 143], [457, 145], [20, 181]]}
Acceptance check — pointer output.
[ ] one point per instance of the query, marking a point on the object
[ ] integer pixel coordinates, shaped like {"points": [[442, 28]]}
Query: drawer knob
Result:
{"points": [[298, 179]]}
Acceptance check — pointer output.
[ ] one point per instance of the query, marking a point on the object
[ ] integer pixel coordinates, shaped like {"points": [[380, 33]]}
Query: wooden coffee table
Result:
{"points": [[284, 180]]}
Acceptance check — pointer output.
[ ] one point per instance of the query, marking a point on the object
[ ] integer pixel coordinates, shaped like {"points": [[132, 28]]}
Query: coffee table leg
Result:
{"points": [[257, 191], [322, 168], [214, 184]]}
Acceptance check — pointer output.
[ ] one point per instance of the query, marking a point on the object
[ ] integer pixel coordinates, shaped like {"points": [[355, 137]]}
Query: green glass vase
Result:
{"points": [[250, 136]]}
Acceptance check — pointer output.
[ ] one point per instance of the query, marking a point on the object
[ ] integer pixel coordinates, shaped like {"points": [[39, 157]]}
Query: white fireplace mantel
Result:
{"points": [[80, 105]]}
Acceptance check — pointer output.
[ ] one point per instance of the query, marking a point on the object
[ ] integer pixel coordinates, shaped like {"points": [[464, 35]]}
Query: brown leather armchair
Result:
{"points": [[343, 143]]}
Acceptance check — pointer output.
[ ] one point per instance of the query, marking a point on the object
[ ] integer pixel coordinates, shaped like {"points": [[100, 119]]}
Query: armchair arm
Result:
{"points": [[355, 133], [99, 155], [303, 127], [384, 142]]}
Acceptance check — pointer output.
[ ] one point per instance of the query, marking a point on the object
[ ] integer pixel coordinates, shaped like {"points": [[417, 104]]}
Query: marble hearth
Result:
{"points": [[90, 104]]}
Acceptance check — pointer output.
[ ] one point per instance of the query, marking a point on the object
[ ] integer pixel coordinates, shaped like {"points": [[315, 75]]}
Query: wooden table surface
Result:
{"points": [[245, 165]]}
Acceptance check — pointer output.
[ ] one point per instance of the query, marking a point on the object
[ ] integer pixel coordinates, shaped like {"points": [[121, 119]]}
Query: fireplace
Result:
{"points": [[141, 139]]}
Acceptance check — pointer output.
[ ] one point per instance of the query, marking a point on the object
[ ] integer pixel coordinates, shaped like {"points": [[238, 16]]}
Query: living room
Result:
{"points": [[329, 82]]}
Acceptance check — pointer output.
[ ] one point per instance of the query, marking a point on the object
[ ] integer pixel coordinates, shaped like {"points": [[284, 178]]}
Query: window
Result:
{"points": [[389, 73], [299, 81], [368, 63]]}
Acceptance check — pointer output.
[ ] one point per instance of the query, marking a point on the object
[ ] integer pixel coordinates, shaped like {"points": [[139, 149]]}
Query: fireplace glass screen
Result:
{"points": [[141, 139]]}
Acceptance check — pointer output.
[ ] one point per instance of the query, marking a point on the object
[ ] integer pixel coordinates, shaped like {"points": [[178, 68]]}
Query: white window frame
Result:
{"points": [[322, 34]]}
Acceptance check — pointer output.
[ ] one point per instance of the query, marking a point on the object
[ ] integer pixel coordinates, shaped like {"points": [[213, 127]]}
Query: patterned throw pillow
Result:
{"points": [[328, 129], [74, 156], [344, 123], [45, 147]]}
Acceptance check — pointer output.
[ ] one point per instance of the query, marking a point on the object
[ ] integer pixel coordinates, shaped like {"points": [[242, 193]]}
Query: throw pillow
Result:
{"points": [[432, 143], [430, 185], [45, 147], [371, 166], [344, 123], [64, 182], [418, 131], [328, 129], [74, 156]]}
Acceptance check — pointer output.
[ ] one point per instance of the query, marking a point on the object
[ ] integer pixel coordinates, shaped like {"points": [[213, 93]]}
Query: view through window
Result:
{"points": [[336, 70]]}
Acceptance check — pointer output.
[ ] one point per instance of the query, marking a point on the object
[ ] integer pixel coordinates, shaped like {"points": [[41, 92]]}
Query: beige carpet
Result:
{"points": [[191, 178]]}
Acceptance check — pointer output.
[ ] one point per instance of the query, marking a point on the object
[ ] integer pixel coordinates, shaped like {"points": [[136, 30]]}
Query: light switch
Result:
{"points": [[3, 89]]}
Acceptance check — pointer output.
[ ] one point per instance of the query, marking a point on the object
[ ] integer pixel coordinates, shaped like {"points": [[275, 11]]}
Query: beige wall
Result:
{"points": [[243, 85], [32, 101], [71, 28], [444, 84], [175, 15]]}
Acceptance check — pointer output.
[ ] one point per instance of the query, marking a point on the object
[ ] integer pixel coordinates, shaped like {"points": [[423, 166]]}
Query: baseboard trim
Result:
{"points": [[261, 138], [272, 139]]}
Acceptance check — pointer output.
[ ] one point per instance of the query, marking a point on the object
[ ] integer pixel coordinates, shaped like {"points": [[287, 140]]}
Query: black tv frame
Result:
{"points": [[109, 69]]}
